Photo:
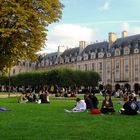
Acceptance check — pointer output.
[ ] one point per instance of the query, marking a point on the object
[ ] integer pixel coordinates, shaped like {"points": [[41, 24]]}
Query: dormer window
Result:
{"points": [[126, 50], [108, 54], [61, 61], [46, 62], [42, 64], [136, 50], [56, 62], [50, 63], [93, 55], [79, 58], [72, 59], [136, 45], [85, 56], [76, 54], [67, 60], [100, 55], [70, 55], [117, 52]]}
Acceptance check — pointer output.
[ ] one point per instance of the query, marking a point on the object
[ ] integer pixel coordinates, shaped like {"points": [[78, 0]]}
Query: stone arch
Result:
{"points": [[136, 87], [101, 87], [117, 86], [109, 87], [127, 86]]}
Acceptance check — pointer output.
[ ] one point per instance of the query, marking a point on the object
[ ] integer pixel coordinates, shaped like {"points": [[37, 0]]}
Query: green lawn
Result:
{"points": [[49, 122]]}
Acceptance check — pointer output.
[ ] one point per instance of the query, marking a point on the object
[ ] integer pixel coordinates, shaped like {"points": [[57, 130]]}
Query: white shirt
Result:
{"points": [[81, 105]]}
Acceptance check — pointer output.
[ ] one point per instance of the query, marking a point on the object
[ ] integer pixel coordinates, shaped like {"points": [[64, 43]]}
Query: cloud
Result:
{"points": [[69, 35], [132, 30], [105, 6]]}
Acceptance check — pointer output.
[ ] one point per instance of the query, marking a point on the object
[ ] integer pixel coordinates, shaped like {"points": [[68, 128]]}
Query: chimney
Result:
{"points": [[61, 49], [124, 34], [82, 45], [111, 38], [58, 49]]}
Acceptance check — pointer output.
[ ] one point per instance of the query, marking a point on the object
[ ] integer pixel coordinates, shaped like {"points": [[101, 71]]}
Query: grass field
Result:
{"points": [[49, 122]]}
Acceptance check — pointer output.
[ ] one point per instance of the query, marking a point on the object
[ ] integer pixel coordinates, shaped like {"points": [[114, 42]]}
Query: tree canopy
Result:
{"points": [[23, 28]]}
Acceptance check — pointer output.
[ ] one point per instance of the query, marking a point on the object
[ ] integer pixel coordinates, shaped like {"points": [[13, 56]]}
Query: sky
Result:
{"points": [[91, 21]]}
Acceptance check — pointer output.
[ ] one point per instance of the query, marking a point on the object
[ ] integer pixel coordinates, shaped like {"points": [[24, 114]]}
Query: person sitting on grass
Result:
{"points": [[80, 106], [130, 107], [91, 104], [107, 105], [88, 101], [94, 100], [23, 98], [44, 97]]}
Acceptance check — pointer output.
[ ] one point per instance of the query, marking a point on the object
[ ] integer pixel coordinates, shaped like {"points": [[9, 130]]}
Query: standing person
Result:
{"points": [[80, 106], [107, 105]]}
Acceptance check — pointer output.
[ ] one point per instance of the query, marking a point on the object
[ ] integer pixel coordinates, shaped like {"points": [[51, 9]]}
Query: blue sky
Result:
{"points": [[92, 20]]}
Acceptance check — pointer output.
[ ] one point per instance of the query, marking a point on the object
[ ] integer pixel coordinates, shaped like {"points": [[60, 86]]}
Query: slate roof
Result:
{"points": [[127, 40], [101, 46], [51, 56], [72, 52], [98, 47]]}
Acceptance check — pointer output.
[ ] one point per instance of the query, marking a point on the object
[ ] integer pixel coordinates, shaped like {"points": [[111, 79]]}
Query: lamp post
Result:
{"points": [[9, 82]]}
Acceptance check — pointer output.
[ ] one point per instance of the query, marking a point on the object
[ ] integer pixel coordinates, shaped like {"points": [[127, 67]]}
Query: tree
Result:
{"points": [[23, 28], [59, 76]]}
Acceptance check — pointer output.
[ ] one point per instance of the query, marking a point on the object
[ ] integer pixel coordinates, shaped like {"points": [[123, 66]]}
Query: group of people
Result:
{"points": [[71, 93], [91, 102], [130, 106], [27, 96]]}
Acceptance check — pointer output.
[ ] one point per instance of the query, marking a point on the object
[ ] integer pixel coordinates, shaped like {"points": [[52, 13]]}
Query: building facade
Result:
{"points": [[116, 60]]}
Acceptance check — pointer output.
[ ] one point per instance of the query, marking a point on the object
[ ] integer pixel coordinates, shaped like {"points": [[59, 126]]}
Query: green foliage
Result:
{"points": [[3, 80], [23, 28], [60, 77]]}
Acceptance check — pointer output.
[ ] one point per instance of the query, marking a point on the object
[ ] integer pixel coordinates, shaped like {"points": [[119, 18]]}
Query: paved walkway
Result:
{"points": [[11, 95]]}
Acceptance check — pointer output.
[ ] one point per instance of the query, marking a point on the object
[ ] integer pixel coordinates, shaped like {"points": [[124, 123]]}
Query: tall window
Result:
{"points": [[108, 71], [14, 71], [100, 69], [117, 70], [79, 67], [100, 65], [126, 69], [93, 66], [23, 63], [86, 67], [136, 69]]}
